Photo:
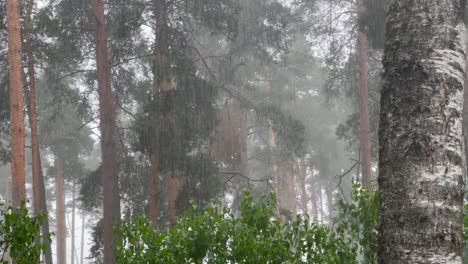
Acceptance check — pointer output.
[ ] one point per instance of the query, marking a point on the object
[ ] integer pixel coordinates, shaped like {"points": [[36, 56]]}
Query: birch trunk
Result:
{"points": [[421, 155]]}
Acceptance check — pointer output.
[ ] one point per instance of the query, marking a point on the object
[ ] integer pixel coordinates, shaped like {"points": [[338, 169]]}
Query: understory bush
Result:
{"points": [[255, 236], [20, 236]]}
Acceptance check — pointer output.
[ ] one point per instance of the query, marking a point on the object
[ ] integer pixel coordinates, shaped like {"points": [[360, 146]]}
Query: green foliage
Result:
{"points": [[20, 235], [359, 219], [217, 236]]}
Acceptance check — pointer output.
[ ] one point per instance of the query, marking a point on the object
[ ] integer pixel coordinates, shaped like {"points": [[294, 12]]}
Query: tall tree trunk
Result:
{"points": [[421, 187], [303, 187], [465, 103], [161, 84], [364, 130], [153, 189], [60, 213], [172, 195], [39, 199], [82, 237], [32, 111], [320, 195], [110, 181], [16, 104], [73, 251]]}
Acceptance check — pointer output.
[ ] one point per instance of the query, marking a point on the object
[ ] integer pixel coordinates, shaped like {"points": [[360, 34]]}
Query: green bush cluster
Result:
{"points": [[216, 236], [20, 236]]}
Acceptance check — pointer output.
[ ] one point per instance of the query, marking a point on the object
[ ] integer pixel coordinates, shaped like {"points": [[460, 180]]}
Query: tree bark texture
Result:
{"points": [[364, 127], [60, 213], [421, 142], [16, 103], [109, 175], [72, 249]]}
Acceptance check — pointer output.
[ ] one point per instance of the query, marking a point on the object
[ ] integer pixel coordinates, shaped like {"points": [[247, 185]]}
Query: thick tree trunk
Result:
{"points": [[173, 190], [16, 104], [153, 189], [364, 130], [421, 156], [60, 213], [110, 181]]}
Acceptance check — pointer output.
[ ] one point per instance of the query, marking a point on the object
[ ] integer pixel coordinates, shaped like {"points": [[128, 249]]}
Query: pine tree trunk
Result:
{"points": [[421, 156], [153, 189], [16, 104], [39, 199], [60, 213], [364, 130], [110, 181], [172, 195], [303, 187]]}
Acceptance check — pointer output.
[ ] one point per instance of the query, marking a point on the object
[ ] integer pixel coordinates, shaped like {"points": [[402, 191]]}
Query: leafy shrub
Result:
{"points": [[216, 236], [359, 221], [20, 235]]}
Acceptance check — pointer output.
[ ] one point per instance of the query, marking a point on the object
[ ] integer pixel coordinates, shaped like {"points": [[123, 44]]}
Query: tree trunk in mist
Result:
{"points": [[364, 129], [39, 200], [32, 112], [153, 189], [16, 104], [465, 103], [61, 232], [303, 187], [110, 181], [421, 156], [73, 251], [173, 190], [274, 168], [82, 237]]}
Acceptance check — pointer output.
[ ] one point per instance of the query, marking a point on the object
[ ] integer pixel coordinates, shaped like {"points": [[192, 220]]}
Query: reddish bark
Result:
{"points": [[173, 190], [16, 103], [303, 187], [107, 126]]}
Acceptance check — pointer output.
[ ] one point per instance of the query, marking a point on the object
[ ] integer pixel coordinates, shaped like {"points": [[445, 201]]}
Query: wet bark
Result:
{"points": [[421, 185], [110, 179], [60, 213], [16, 104], [364, 129]]}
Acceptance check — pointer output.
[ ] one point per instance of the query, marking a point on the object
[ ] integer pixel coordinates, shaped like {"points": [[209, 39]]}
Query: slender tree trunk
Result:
{"points": [[110, 179], [153, 189], [60, 214], [73, 251], [364, 130], [32, 111], [421, 185], [16, 103], [172, 195], [322, 212], [39, 199], [465, 105], [303, 187], [82, 237]]}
